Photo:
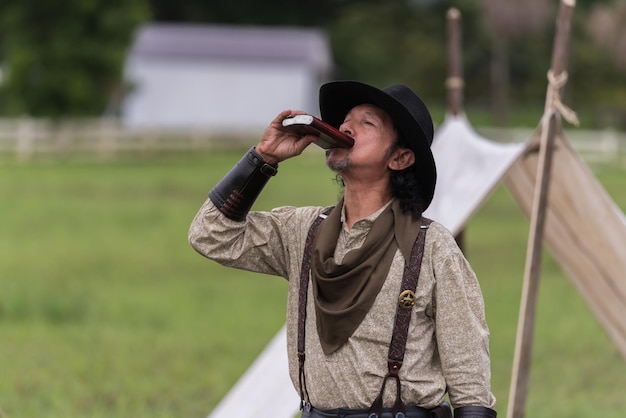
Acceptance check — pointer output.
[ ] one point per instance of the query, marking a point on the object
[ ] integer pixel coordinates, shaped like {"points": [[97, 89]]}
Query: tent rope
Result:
{"points": [[555, 83]]}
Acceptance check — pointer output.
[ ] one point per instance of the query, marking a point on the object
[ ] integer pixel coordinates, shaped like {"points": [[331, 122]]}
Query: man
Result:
{"points": [[344, 329]]}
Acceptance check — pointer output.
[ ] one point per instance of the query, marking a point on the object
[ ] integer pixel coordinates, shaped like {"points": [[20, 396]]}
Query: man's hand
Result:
{"points": [[278, 143]]}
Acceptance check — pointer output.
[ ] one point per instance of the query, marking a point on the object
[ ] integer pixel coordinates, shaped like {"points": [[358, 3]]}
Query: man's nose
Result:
{"points": [[346, 129]]}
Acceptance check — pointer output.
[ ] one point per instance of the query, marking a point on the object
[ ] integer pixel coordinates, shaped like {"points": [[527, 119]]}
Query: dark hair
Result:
{"points": [[406, 188], [405, 184]]}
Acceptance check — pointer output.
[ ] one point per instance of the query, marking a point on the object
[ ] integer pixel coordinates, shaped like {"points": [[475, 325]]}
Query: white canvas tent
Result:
{"points": [[585, 231], [264, 390], [468, 168], [571, 213]]}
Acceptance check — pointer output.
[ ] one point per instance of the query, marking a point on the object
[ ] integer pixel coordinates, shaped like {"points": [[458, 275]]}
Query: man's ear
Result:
{"points": [[401, 158]]}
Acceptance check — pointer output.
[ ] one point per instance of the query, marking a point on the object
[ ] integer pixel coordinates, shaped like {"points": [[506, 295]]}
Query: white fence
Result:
{"points": [[26, 137]]}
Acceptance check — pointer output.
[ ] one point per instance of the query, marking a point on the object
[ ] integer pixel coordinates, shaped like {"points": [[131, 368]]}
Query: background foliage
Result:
{"points": [[64, 58]]}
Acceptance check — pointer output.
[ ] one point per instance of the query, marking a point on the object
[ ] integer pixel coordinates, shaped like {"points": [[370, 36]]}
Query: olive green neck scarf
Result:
{"points": [[345, 292]]}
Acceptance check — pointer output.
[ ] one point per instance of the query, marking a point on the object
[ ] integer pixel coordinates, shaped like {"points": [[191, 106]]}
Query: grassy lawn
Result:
{"points": [[106, 311]]}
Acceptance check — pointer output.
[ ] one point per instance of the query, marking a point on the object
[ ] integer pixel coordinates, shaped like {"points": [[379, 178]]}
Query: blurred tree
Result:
{"points": [[64, 58], [606, 25], [257, 12], [393, 41], [508, 20], [585, 5]]}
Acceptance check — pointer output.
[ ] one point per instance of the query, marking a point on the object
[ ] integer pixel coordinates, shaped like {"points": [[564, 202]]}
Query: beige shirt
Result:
{"points": [[448, 339]]}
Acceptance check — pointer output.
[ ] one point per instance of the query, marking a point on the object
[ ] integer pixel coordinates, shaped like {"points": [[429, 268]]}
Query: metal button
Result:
{"points": [[406, 300]]}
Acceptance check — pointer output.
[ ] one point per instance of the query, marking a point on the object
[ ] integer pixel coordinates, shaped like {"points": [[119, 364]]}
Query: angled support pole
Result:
{"points": [[550, 127]]}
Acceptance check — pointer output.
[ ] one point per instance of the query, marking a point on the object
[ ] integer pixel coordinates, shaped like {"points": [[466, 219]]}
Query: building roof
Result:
{"points": [[160, 40]]}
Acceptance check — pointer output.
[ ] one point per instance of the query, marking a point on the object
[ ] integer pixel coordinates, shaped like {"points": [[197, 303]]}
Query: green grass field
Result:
{"points": [[106, 311]]}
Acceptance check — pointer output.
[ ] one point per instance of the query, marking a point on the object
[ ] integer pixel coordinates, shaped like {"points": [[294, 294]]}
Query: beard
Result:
{"points": [[339, 165]]}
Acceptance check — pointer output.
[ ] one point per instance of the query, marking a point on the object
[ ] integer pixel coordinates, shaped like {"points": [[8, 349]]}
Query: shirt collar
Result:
{"points": [[365, 221]]}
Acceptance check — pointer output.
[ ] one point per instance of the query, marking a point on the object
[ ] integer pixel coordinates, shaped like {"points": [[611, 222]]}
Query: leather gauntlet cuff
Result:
{"points": [[474, 412], [235, 194]]}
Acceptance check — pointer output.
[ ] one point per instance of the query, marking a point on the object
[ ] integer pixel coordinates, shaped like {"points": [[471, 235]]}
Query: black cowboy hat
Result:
{"points": [[408, 112]]}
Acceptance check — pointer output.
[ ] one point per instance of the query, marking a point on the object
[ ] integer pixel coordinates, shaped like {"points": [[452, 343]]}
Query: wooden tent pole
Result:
{"points": [[551, 125], [454, 83]]}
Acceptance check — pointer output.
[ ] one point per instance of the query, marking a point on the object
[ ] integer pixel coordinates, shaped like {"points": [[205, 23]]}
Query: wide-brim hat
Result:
{"points": [[408, 112]]}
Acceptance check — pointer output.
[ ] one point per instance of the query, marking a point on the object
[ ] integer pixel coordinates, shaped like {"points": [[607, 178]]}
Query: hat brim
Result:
{"points": [[337, 98]]}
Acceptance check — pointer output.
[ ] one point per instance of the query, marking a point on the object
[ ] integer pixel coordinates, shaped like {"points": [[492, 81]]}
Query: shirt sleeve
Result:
{"points": [[265, 242], [461, 328]]}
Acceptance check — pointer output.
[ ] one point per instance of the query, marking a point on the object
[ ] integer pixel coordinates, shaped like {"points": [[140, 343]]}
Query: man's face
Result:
{"points": [[373, 133]]}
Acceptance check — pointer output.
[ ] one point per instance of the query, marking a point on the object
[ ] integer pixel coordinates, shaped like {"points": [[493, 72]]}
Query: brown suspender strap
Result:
{"points": [[302, 300], [406, 301]]}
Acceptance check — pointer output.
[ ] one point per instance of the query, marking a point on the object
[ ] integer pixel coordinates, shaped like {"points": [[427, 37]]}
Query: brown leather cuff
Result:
{"points": [[474, 412], [235, 194]]}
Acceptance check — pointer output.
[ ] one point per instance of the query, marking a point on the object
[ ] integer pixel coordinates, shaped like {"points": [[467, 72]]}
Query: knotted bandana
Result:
{"points": [[345, 292]]}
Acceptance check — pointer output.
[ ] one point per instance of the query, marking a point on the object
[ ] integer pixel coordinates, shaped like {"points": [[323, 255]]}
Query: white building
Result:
{"points": [[223, 78]]}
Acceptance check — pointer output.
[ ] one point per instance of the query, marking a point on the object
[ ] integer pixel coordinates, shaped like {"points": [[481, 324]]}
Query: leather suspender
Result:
{"points": [[302, 299], [406, 300]]}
